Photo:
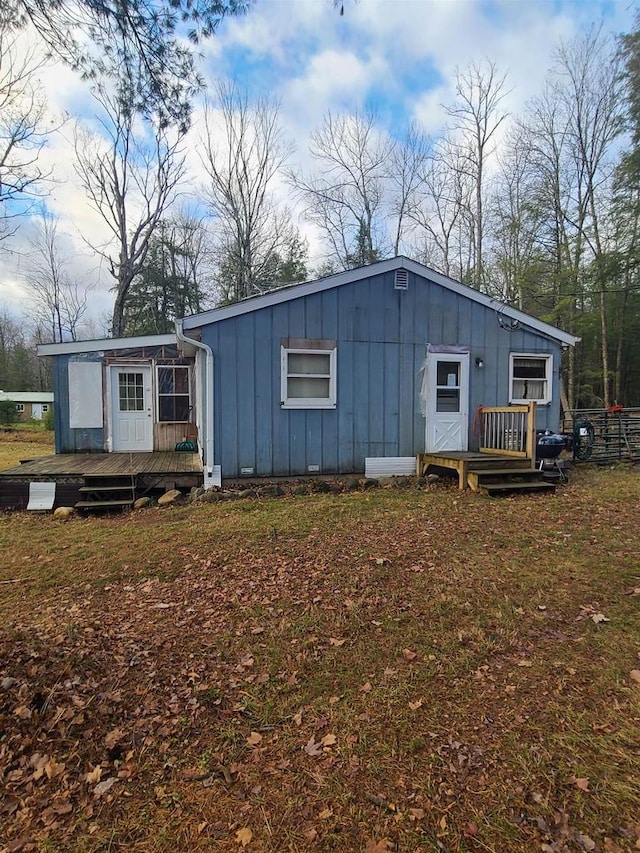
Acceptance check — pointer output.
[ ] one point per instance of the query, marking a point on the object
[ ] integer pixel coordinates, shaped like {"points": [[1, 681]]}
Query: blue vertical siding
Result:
{"points": [[381, 336]]}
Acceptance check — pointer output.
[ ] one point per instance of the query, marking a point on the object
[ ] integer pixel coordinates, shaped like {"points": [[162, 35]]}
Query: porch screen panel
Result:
{"points": [[85, 395], [173, 394]]}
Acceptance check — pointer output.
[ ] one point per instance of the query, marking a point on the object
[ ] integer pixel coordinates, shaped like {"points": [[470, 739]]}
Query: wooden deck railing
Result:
{"points": [[509, 430]]}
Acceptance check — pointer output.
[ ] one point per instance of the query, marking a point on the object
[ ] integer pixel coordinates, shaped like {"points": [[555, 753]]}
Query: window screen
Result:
{"points": [[174, 403], [530, 378], [308, 378]]}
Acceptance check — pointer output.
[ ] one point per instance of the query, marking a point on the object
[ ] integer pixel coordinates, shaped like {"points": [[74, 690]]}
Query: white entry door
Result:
{"points": [[447, 404], [132, 421]]}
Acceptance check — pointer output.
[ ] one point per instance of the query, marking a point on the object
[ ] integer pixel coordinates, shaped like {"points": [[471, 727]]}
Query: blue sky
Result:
{"points": [[396, 56]]}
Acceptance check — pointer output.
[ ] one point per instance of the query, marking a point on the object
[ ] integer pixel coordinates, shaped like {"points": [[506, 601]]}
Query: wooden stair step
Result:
{"points": [[503, 488], [114, 503], [504, 472], [515, 476], [98, 488]]}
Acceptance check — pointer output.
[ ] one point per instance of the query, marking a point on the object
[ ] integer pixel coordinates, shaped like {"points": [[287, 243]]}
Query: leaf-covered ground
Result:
{"points": [[398, 669]]}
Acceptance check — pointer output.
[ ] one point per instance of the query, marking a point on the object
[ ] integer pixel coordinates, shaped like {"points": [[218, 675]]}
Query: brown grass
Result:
{"points": [[389, 670], [20, 444]]}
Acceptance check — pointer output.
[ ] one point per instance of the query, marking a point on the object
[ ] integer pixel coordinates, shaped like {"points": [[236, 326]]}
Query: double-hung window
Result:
{"points": [[530, 378], [308, 375], [174, 402], [20, 408]]}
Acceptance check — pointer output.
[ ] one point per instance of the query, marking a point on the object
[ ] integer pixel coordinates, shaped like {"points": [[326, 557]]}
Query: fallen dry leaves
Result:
{"points": [[306, 693]]}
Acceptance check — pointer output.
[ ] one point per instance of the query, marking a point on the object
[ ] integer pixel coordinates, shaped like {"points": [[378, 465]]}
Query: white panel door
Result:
{"points": [[447, 404], [132, 420]]}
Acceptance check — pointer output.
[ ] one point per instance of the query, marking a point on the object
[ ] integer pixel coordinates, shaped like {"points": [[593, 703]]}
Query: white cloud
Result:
{"points": [[400, 55]]}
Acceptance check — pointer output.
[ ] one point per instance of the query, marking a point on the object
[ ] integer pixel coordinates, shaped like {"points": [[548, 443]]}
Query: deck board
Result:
{"points": [[78, 464]]}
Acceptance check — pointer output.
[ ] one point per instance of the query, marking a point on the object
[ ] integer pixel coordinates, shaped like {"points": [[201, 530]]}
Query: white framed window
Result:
{"points": [[174, 400], [45, 408], [20, 408], [308, 376], [530, 377]]}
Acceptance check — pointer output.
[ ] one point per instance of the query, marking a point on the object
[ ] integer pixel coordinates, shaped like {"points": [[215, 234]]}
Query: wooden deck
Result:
{"points": [[466, 462], [73, 472], [79, 464]]}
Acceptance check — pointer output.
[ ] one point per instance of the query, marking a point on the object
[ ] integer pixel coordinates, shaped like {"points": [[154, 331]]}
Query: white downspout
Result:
{"points": [[212, 473]]}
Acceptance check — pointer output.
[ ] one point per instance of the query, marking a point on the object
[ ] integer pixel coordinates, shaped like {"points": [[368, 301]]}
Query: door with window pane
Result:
{"points": [[132, 421], [447, 403]]}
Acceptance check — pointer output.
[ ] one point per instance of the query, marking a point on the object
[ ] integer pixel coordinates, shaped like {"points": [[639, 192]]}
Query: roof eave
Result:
{"points": [[72, 347], [296, 291]]}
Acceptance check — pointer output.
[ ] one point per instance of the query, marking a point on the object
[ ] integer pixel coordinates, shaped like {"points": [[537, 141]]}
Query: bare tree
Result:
{"points": [[243, 152], [406, 169], [571, 130], [59, 301], [130, 172], [439, 212], [477, 116], [593, 96], [517, 220], [20, 368], [23, 130], [347, 198]]}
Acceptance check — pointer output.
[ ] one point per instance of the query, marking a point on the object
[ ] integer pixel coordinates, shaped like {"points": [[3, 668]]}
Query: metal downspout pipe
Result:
{"points": [[211, 476]]}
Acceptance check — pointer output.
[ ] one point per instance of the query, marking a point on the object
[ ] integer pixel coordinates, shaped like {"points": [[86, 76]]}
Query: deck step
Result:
{"points": [[96, 504], [476, 479], [109, 478], [505, 472], [105, 488], [510, 463], [107, 491], [513, 486]]}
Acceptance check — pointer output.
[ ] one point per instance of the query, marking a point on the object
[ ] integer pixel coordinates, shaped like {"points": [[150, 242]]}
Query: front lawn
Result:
{"points": [[386, 670], [24, 441]]}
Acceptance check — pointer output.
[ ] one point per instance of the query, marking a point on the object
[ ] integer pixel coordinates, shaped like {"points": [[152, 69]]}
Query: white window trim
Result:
{"points": [[307, 402], [548, 376], [158, 395], [45, 408]]}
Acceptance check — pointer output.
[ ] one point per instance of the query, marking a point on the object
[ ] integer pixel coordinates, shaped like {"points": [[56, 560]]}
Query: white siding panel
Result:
{"points": [[85, 395]]}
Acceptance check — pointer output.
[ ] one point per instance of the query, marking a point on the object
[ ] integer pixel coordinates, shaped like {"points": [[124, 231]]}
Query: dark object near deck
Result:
{"points": [[101, 480], [549, 447]]}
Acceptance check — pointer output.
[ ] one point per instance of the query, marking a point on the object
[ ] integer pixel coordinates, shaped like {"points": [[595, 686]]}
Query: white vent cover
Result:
{"points": [[390, 466], [41, 496], [401, 280]]}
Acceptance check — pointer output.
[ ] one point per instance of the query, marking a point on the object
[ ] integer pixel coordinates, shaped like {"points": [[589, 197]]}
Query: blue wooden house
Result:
{"points": [[359, 371]]}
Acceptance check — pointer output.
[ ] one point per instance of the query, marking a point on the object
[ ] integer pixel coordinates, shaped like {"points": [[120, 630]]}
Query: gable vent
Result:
{"points": [[401, 280]]}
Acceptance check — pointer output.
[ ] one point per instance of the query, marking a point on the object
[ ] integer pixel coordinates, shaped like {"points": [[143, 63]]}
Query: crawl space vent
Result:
{"points": [[42, 496], [401, 280]]}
